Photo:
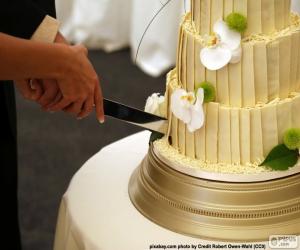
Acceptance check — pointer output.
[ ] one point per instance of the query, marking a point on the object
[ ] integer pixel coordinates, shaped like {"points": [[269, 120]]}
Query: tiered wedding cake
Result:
{"points": [[228, 167], [257, 95]]}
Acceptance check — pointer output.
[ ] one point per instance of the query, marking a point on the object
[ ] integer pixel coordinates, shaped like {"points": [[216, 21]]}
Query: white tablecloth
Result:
{"points": [[96, 212]]}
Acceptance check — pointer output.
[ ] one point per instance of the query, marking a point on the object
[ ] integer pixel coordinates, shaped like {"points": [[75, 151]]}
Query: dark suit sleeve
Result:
{"points": [[22, 17], [47, 6]]}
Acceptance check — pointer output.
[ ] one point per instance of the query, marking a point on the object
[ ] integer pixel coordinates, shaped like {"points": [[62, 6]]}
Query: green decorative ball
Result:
{"points": [[291, 138], [209, 91], [237, 22]]}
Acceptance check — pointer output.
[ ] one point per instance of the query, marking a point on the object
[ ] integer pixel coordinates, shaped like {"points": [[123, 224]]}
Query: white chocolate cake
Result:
{"points": [[257, 93]]}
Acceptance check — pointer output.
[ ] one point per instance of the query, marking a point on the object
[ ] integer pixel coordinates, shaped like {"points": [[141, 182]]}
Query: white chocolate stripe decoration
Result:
{"points": [[257, 151], [264, 16], [261, 73], [297, 41], [257, 99], [216, 12], [224, 153], [205, 16], [190, 147], [236, 135], [270, 67], [294, 60], [227, 8]]}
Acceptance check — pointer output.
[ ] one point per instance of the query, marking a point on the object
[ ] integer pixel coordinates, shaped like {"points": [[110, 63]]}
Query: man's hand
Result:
{"points": [[92, 100], [75, 87], [44, 92], [30, 89]]}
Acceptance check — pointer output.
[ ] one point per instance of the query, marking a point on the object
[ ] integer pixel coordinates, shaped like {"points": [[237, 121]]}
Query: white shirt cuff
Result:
{"points": [[47, 30]]}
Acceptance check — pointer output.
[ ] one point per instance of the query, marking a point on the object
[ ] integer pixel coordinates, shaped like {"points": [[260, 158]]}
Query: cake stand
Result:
{"points": [[219, 207]]}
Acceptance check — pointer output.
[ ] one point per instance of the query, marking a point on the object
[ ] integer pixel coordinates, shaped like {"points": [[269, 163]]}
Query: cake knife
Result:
{"points": [[135, 116]]}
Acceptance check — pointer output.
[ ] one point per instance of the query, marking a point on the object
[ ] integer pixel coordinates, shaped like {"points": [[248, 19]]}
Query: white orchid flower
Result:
{"points": [[188, 108], [154, 104], [222, 48]]}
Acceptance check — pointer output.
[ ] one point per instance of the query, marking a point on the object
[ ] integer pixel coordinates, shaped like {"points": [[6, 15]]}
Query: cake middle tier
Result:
{"points": [[234, 135], [269, 67]]}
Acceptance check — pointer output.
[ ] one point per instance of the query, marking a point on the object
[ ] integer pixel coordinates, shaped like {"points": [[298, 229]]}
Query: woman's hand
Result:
{"points": [[79, 86], [69, 66]]}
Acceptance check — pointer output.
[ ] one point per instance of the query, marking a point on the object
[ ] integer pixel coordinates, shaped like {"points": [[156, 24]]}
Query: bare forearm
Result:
{"points": [[21, 59]]}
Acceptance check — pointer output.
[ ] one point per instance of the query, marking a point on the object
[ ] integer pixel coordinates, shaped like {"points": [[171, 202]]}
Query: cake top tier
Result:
{"points": [[263, 16]]}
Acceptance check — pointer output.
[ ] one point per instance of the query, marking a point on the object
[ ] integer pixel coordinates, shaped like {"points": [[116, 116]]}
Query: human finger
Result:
{"points": [[30, 89], [74, 108], [24, 88], [56, 100], [99, 104], [61, 105], [87, 107], [50, 92]]}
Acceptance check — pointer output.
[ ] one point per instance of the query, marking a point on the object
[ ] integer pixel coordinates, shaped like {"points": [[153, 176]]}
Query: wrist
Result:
{"points": [[64, 61]]}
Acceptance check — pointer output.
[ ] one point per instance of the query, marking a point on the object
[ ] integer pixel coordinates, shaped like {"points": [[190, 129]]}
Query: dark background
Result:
{"points": [[52, 147]]}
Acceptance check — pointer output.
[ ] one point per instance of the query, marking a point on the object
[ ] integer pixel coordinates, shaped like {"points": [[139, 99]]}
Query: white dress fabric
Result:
{"points": [[158, 48], [114, 24], [97, 23]]}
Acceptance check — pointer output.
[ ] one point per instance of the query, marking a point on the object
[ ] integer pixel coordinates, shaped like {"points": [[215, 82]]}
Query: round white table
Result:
{"points": [[96, 212]]}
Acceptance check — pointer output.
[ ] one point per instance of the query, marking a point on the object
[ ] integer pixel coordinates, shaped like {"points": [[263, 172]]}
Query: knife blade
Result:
{"points": [[135, 116]]}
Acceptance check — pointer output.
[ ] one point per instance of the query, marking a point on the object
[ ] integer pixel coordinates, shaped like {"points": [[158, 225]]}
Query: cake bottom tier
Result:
{"points": [[215, 210], [217, 171], [234, 135]]}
